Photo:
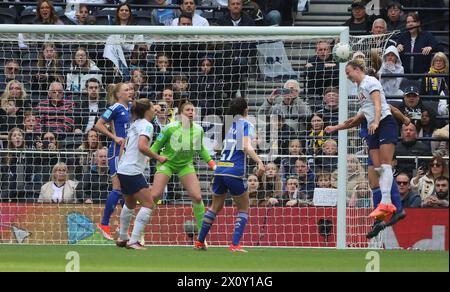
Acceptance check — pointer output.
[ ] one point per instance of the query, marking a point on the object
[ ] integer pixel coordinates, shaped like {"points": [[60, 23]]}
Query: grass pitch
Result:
{"points": [[185, 259]]}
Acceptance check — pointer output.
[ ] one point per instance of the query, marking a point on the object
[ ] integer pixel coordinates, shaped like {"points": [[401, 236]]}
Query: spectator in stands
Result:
{"points": [[11, 72], [46, 14], [391, 64], [60, 189], [49, 66], [256, 194], [272, 183], [95, 185], [395, 19], [360, 22], [184, 19], [188, 7], [423, 182], [82, 69], [83, 16], [138, 58], [161, 75], [287, 164], [438, 85], [9, 117], [427, 126], [207, 89], [140, 83], [416, 40], [306, 179], [321, 70], [285, 133], [412, 105], [329, 162], [330, 108], [92, 105], [379, 27], [291, 196], [356, 180], [16, 168], [56, 113], [440, 148], [90, 145], [181, 88], [439, 198], [29, 124], [323, 180], [162, 63], [123, 15], [235, 17], [410, 199], [409, 146], [47, 142], [315, 134], [162, 15], [15, 90], [167, 96], [361, 196], [292, 106]]}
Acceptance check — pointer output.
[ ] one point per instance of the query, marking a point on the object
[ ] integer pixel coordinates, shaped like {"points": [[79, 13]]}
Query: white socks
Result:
{"points": [[142, 219], [386, 179], [125, 219]]}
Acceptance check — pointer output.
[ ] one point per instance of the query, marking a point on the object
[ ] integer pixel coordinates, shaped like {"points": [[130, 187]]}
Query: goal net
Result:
{"points": [[58, 81]]}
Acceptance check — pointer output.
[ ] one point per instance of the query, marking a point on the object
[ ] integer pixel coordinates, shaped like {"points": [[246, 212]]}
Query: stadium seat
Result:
{"points": [[105, 17], [143, 17], [28, 16], [8, 16]]}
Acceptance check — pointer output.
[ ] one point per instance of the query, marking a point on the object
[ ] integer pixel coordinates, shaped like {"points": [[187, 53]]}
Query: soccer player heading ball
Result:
{"points": [[230, 175]]}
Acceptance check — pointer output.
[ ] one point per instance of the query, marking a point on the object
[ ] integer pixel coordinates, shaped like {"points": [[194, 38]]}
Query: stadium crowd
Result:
{"points": [[52, 94]]}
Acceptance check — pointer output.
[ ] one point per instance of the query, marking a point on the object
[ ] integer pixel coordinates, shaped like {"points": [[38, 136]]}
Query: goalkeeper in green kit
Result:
{"points": [[180, 140]]}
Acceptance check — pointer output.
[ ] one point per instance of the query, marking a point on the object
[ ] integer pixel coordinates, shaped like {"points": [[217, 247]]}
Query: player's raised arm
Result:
{"points": [[399, 115], [348, 124]]}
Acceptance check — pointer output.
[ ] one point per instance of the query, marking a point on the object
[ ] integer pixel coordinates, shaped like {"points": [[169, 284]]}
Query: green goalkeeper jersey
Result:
{"points": [[179, 144]]}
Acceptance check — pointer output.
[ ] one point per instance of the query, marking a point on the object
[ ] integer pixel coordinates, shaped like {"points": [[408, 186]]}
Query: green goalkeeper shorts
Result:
{"points": [[169, 169]]}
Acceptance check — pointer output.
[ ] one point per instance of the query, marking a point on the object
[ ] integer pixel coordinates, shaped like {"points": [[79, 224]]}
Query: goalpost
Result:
{"points": [[249, 62]]}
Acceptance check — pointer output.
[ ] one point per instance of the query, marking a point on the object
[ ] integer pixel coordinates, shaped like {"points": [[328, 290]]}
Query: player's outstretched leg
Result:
{"points": [[239, 227], [111, 203], [400, 214], [385, 207], [207, 222]]}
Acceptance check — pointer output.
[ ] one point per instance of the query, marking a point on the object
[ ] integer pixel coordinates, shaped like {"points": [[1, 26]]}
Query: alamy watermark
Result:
{"points": [[73, 264]]}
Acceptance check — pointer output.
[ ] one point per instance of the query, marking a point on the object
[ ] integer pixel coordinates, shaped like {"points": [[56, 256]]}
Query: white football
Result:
{"points": [[342, 52]]}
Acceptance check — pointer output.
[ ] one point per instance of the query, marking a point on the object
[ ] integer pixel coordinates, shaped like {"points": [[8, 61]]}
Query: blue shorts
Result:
{"points": [[224, 184], [387, 133], [113, 162], [131, 184]]}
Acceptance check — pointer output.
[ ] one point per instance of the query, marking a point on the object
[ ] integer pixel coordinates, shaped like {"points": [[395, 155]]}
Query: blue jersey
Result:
{"points": [[120, 116], [233, 160]]}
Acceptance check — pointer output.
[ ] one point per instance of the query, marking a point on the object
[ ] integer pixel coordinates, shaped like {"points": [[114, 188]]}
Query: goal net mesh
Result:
{"points": [[54, 170]]}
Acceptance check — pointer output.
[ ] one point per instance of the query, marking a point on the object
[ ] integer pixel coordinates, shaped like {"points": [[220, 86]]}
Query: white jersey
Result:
{"points": [[368, 85], [133, 162]]}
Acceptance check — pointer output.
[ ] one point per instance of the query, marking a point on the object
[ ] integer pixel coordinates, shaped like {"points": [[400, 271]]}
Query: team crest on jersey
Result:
{"points": [[361, 97]]}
